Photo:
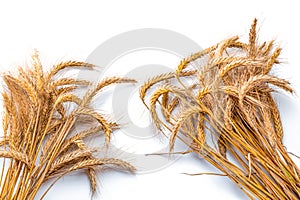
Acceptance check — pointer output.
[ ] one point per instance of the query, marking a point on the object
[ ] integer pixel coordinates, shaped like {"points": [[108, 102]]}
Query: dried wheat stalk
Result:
{"points": [[39, 143], [229, 97]]}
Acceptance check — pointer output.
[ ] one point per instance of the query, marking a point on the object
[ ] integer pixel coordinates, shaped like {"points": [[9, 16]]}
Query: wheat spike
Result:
{"points": [[21, 157]]}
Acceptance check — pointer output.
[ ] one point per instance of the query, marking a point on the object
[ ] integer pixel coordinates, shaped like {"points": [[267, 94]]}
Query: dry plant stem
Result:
{"points": [[40, 142], [230, 99]]}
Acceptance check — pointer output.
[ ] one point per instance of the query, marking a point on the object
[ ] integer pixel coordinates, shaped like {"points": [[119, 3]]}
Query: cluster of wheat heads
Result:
{"points": [[219, 102], [40, 142]]}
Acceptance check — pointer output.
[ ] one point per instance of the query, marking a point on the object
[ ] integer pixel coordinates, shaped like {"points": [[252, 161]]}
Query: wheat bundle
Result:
{"points": [[224, 94], [40, 142]]}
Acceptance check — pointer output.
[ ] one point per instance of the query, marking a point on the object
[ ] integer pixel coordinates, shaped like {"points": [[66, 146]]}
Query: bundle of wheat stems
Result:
{"points": [[40, 142], [219, 102]]}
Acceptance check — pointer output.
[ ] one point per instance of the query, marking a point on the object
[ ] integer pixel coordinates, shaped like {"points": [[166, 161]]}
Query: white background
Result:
{"points": [[72, 30]]}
